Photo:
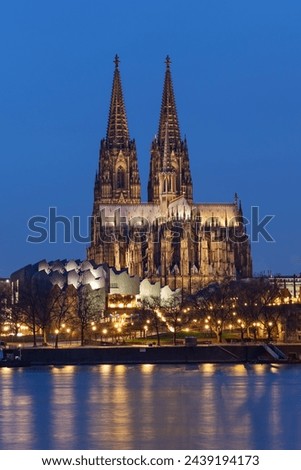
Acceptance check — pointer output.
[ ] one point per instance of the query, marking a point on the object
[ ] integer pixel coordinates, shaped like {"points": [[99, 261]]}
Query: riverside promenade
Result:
{"points": [[217, 353]]}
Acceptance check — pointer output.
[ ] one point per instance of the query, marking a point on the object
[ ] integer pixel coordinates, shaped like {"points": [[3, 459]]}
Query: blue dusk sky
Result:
{"points": [[236, 68]]}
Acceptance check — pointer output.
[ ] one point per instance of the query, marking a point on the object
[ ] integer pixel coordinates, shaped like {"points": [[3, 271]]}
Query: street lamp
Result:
{"points": [[56, 331], [94, 330], [68, 333]]}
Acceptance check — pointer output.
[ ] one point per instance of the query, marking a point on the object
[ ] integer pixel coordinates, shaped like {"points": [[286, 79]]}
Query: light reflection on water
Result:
{"points": [[151, 407]]}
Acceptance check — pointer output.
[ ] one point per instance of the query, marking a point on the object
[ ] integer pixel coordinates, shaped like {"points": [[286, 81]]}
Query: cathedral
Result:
{"points": [[171, 239]]}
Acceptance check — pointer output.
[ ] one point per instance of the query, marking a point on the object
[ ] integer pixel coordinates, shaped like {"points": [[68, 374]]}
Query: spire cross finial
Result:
{"points": [[116, 61], [167, 61]]}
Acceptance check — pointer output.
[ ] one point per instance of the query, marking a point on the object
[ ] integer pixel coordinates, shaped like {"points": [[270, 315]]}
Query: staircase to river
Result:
{"points": [[275, 352]]}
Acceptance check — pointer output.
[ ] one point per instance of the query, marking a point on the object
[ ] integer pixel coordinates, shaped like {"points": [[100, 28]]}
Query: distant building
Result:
{"points": [[5, 295], [290, 286], [62, 273], [170, 239], [290, 299], [120, 291], [292, 323]]}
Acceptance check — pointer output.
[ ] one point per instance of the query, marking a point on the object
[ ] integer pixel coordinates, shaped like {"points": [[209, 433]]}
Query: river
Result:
{"points": [[108, 407]]}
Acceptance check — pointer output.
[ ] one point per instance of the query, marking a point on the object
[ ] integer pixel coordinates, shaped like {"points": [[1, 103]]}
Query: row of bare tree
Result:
{"points": [[44, 308], [246, 306]]}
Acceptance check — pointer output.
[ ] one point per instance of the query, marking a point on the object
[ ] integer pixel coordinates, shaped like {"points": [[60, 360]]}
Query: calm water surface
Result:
{"points": [[151, 407]]}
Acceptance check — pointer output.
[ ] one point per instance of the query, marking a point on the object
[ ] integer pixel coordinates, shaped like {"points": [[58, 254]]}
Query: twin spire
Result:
{"points": [[117, 130], [118, 166]]}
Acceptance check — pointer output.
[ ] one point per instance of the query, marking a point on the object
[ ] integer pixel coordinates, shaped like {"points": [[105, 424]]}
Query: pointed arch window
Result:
{"points": [[165, 186], [120, 178]]}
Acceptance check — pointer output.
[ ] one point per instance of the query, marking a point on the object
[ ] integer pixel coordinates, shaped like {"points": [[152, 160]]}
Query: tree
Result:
{"points": [[5, 302], [64, 308], [151, 314], [172, 314], [25, 308], [214, 304], [245, 307], [256, 303], [44, 297], [269, 312], [88, 308], [35, 305]]}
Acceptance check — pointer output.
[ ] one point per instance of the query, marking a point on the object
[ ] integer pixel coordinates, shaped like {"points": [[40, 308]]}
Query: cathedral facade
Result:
{"points": [[170, 238]]}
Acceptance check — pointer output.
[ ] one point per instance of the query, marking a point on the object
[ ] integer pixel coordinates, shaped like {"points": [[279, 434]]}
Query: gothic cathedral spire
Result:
{"points": [[117, 180], [168, 147], [168, 114], [117, 130]]}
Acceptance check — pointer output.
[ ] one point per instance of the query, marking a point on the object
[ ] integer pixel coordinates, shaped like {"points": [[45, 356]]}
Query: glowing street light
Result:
{"points": [[145, 330]]}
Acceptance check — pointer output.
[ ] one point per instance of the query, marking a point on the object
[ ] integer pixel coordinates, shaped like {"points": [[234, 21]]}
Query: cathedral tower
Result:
{"points": [[169, 175], [117, 180]]}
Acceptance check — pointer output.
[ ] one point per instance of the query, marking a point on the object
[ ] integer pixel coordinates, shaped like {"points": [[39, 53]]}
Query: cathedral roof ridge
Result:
{"points": [[223, 204]]}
